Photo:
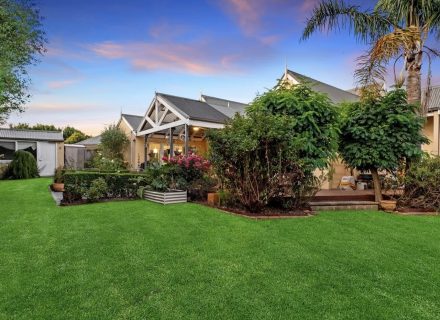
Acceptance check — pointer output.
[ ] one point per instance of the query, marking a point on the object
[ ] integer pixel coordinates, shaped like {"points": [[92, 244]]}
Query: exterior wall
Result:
{"points": [[128, 157], [334, 174], [60, 154], [432, 132]]}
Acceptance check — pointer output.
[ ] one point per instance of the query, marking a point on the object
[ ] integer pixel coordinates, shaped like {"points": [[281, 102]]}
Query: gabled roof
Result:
{"points": [[434, 99], [132, 120], [335, 94], [227, 107], [38, 135], [195, 109], [90, 141]]}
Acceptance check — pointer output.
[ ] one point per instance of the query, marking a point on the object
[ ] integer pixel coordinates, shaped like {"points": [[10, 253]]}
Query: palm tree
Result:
{"points": [[394, 29]]}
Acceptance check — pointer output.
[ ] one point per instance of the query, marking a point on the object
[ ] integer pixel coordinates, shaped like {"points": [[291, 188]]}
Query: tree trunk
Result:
{"points": [[377, 186], [413, 80]]}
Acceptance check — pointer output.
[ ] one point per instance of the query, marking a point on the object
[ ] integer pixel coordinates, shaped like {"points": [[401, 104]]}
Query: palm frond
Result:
{"points": [[367, 26], [372, 65]]}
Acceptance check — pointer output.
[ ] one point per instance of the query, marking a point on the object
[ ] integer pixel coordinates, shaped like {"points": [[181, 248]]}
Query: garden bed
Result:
{"points": [[267, 213], [168, 197], [407, 211]]}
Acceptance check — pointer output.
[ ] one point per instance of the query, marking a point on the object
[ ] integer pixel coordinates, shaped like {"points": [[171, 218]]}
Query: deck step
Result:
{"points": [[343, 205]]}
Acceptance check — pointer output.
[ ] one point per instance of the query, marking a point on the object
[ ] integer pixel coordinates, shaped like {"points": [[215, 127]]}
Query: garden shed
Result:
{"points": [[46, 146]]}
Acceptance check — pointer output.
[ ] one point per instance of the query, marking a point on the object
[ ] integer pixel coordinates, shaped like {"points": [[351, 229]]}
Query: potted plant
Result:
{"points": [[388, 205], [58, 180]]}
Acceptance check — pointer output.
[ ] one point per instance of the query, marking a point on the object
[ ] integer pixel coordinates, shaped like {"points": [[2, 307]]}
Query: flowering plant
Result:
{"points": [[190, 167]]}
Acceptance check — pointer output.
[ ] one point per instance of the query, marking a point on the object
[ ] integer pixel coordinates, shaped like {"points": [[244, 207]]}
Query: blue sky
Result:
{"points": [[108, 56]]}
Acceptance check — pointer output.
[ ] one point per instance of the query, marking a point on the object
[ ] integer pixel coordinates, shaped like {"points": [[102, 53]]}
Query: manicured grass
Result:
{"points": [[139, 260]]}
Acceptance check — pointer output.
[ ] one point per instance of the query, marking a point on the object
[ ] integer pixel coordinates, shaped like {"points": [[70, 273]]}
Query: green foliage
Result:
{"points": [[422, 184], [38, 126], [113, 142], [97, 190], [286, 134], [311, 121], [23, 166], [21, 41], [103, 163], [77, 136], [381, 133], [394, 28], [119, 185], [58, 176]]}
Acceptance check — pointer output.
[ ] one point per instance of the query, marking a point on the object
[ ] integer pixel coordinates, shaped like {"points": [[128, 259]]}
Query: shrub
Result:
{"points": [[23, 166], [97, 190], [190, 168], [422, 184], [103, 163], [273, 151], [119, 185]]}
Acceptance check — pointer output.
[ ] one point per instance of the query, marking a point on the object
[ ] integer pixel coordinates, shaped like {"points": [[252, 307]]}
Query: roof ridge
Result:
{"points": [[302, 75], [171, 95], [132, 115], [205, 95], [32, 130]]}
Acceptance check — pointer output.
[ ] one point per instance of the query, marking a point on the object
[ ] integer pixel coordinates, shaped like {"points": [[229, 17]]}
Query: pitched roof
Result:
{"points": [[335, 94], [227, 107], [133, 120], [195, 109], [434, 99], [39, 135], [90, 141]]}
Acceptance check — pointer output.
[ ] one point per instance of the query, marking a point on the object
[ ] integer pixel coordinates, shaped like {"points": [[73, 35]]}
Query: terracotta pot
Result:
{"points": [[213, 198], [388, 205], [58, 187]]}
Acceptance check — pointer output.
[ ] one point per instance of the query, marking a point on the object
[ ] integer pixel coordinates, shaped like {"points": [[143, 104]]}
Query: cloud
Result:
{"points": [[248, 13], [262, 19], [201, 57], [166, 30], [59, 84], [65, 107]]}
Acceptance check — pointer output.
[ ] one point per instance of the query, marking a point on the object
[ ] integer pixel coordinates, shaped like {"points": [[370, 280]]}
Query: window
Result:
{"points": [[28, 146], [7, 150]]}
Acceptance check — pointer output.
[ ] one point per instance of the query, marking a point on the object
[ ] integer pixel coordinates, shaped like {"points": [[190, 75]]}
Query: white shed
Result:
{"points": [[46, 146]]}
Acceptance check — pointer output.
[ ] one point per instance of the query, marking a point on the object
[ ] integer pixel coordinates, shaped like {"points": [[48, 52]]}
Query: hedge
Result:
{"points": [[120, 185]]}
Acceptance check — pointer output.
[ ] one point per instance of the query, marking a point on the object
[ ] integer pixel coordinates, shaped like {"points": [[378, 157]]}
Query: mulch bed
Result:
{"points": [[406, 211], [83, 201], [268, 213]]}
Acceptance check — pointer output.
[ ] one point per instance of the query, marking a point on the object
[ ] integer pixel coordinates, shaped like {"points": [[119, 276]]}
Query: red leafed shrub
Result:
{"points": [[191, 167]]}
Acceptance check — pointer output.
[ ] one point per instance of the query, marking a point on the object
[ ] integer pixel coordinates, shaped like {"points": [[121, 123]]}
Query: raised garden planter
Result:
{"points": [[168, 197]]}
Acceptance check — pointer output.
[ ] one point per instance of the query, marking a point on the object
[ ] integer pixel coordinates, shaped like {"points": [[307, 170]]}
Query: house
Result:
{"points": [[46, 146], [172, 125], [432, 125]]}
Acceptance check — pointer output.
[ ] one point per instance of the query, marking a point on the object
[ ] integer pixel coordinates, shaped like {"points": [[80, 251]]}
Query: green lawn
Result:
{"points": [[139, 260]]}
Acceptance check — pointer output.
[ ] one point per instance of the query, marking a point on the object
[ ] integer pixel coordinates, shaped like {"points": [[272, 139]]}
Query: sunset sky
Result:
{"points": [[108, 56]]}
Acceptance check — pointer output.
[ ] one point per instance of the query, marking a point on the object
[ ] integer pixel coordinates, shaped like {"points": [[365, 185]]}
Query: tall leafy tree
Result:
{"points": [[394, 29], [21, 42], [380, 133]]}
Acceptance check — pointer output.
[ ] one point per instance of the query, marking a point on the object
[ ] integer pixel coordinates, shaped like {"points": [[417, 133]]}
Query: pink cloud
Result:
{"points": [[59, 84], [308, 5], [200, 57], [248, 13]]}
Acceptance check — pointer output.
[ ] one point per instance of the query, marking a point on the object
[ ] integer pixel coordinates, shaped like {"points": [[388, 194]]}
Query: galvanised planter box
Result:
{"points": [[168, 197]]}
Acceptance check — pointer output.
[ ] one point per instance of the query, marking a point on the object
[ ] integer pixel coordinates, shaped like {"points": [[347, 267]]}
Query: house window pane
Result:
{"points": [[7, 150], [28, 146]]}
